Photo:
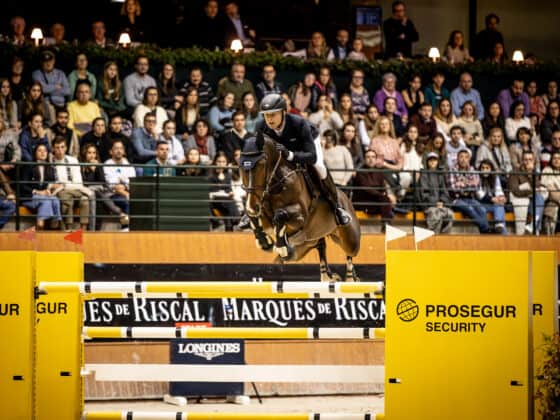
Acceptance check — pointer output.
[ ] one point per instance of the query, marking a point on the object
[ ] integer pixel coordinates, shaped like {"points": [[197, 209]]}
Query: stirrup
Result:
{"points": [[342, 217]]}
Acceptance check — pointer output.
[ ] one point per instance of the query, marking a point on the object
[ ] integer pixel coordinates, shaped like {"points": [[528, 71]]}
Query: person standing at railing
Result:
{"points": [[118, 176], [399, 32], [432, 194], [551, 180], [31, 137], [161, 163], [491, 194]]}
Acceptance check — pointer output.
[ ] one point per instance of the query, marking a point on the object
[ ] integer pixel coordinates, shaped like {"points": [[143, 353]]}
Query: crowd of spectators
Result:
{"points": [[438, 148]]}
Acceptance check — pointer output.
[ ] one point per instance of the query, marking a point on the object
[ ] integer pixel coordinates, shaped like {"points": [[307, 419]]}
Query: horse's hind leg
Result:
{"points": [[326, 273], [351, 274]]}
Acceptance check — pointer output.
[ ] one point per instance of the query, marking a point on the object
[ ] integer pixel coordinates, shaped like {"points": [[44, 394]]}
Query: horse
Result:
{"points": [[287, 212]]}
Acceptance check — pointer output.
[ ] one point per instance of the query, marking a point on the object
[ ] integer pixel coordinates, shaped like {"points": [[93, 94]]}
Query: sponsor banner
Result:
{"points": [[236, 312]]}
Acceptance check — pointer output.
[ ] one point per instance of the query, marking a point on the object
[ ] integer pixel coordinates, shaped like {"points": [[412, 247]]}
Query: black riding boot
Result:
{"points": [[331, 194]]}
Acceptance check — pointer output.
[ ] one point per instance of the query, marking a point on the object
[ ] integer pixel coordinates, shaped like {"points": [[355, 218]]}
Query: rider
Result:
{"points": [[299, 142]]}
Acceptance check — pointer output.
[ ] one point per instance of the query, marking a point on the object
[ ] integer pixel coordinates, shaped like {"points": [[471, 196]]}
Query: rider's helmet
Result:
{"points": [[273, 102]]}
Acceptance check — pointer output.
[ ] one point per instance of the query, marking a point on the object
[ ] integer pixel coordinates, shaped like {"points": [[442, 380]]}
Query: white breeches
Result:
{"points": [[319, 163]]}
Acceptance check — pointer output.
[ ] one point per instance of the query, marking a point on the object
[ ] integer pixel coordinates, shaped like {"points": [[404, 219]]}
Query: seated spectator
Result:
{"points": [[206, 97], [551, 94], [7, 200], [536, 103], [167, 85], [176, 153], [516, 120], [118, 173], [425, 122], [99, 137], [434, 197], [188, 113], [18, 80], [53, 81], [38, 189], [436, 145], [36, 103], [468, 119], [194, 163], [268, 84], [8, 107], [465, 92], [351, 141], [202, 141], [412, 161], [499, 55], [493, 118], [116, 132], [357, 53], [338, 159], [386, 147], [220, 114], [551, 122], [71, 191], [317, 47], [234, 139], [455, 50], [17, 36], [144, 139], [358, 92], [341, 50], [324, 85], [464, 183], [60, 129], [150, 104], [98, 35], [301, 93], [444, 118], [496, 151], [345, 109], [289, 106], [161, 162], [132, 22], [436, 92], [535, 129], [399, 33], [491, 194], [413, 96], [388, 90], [110, 93], [221, 193], [549, 148], [521, 186], [251, 111], [514, 93], [390, 106], [136, 83], [83, 110], [523, 144], [237, 28], [81, 74], [236, 84], [487, 38], [455, 144], [366, 126], [370, 193], [326, 118], [33, 135], [551, 180], [10, 152]]}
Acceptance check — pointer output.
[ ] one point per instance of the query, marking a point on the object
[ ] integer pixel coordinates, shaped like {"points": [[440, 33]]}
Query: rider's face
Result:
{"points": [[273, 119]]}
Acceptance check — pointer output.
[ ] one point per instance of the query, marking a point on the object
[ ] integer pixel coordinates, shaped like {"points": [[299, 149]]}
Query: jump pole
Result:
{"points": [[130, 415]]}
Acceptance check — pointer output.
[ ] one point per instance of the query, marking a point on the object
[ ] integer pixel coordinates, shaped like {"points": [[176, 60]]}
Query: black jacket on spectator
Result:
{"points": [[206, 98], [548, 126], [432, 188], [103, 144], [67, 134], [209, 32], [95, 177], [31, 178], [139, 31], [230, 33], [230, 141], [393, 30], [484, 43], [167, 98]]}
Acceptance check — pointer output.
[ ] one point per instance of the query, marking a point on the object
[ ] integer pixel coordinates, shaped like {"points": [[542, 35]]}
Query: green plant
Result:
{"points": [[548, 389]]}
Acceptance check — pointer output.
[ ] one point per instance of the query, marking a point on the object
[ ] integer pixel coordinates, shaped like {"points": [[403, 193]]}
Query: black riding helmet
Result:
{"points": [[273, 102], [251, 154]]}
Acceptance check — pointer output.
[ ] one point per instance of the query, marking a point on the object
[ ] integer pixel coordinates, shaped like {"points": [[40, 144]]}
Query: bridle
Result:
{"points": [[250, 189]]}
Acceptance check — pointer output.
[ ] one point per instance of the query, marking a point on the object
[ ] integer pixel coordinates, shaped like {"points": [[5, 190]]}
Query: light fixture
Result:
{"points": [[36, 35], [236, 46], [517, 57], [124, 40], [434, 54]]}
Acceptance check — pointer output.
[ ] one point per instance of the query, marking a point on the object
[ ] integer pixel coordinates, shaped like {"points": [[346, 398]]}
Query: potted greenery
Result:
{"points": [[548, 388]]}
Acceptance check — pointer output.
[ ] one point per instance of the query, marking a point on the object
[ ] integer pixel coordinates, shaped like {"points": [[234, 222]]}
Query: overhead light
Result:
{"points": [[124, 40], [434, 54], [236, 46], [517, 57], [36, 35]]}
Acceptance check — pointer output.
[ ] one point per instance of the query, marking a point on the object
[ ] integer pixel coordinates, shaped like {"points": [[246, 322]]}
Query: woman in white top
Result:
{"points": [[445, 119], [472, 126], [412, 161], [337, 158], [366, 126], [516, 120], [455, 50], [357, 53], [326, 118], [150, 103]]}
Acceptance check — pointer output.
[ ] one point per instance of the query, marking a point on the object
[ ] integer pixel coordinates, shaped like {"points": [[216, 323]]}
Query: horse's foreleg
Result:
{"points": [[326, 273], [351, 274], [263, 241], [282, 217]]}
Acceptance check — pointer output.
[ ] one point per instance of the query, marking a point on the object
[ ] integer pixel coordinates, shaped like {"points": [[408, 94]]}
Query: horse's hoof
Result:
{"points": [[285, 252], [330, 277]]}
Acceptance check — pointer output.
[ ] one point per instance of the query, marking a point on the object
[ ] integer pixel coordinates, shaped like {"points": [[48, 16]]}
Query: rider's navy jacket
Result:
{"points": [[297, 136]]}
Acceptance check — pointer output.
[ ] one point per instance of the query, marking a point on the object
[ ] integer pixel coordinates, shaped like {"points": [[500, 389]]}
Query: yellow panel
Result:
{"points": [[457, 335], [545, 306], [59, 348], [16, 329]]}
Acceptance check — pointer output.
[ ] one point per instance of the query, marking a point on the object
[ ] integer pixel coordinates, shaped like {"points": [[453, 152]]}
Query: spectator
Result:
{"points": [[464, 183], [551, 93], [80, 75], [358, 92], [71, 191], [324, 86], [370, 194], [455, 50], [57, 35], [10, 152], [176, 153], [31, 137], [83, 110], [118, 173], [434, 197], [60, 129], [167, 85], [549, 148], [194, 163], [17, 79], [351, 141], [144, 139], [493, 118], [425, 122], [38, 189], [551, 180], [150, 104], [202, 141], [250, 109], [221, 193], [390, 106], [465, 92], [491, 194], [52, 80], [412, 161], [399, 32], [132, 21], [289, 106], [536, 103], [98, 35], [236, 28], [99, 137], [551, 122], [455, 145], [301, 93], [188, 114], [237, 84], [326, 118], [234, 139], [388, 90], [495, 151], [17, 37], [471, 124], [161, 162], [357, 53], [35, 103], [444, 118], [110, 94], [209, 32], [366, 126], [7, 200], [386, 147], [318, 48], [516, 120], [436, 92], [206, 97], [487, 38], [437, 145], [499, 56], [523, 144], [413, 96], [116, 132], [345, 109], [221, 113], [269, 84], [341, 49], [521, 186], [507, 97], [338, 159], [8, 107], [136, 83]]}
